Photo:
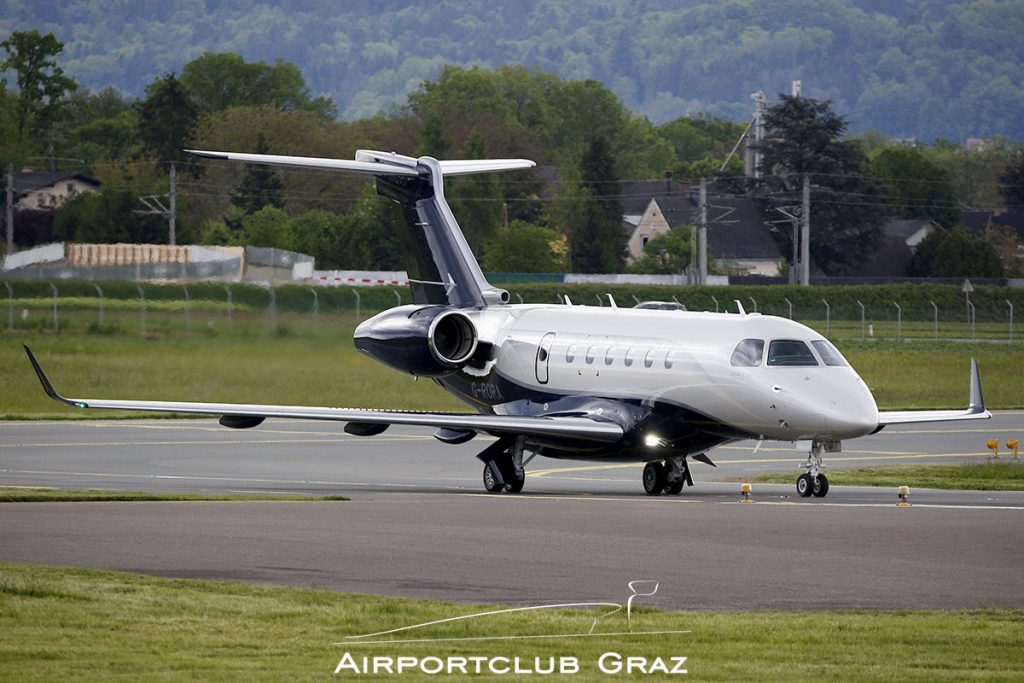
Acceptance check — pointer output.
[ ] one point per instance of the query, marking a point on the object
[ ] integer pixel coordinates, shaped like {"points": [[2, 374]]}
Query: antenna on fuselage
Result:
{"points": [[611, 301], [739, 305], [568, 301]]}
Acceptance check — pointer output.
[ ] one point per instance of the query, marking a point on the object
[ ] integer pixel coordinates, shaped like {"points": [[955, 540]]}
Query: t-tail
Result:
{"points": [[441, 266]]}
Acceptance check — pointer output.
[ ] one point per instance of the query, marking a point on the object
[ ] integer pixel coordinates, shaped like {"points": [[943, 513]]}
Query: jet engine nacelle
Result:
{"points": [[428, 341]]}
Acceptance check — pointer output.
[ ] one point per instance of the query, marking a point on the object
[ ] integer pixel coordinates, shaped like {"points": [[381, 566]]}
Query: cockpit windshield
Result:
{"points": [[748, 353], [790, 352], [829, 354]]}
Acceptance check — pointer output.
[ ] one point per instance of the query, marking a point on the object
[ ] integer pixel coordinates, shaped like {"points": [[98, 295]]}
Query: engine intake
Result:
{"points": [[429, 341]]}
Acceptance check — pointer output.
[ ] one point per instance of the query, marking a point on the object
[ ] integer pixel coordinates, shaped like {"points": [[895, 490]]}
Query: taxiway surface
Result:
{"points": [[419, 525]]}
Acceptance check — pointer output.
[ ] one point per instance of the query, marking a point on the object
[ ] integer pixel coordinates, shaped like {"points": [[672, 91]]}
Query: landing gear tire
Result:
{"points": [[491, 484], [674, 488], [517, 485], [805, 485], [821, 486], [654, 478]]}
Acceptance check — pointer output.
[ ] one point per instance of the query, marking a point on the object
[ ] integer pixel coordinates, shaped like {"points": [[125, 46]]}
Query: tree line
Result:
{"points": [[564, 215], [912, 68]]}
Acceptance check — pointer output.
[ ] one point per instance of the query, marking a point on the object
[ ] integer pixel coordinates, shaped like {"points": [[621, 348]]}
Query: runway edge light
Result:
{"points": [[993, 445], [745, 490], [904, 495], [1013, 445]]}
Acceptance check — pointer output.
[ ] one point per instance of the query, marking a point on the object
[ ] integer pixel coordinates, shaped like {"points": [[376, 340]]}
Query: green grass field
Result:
{"points": [[302, 359], [984, 476], [81, 624]]}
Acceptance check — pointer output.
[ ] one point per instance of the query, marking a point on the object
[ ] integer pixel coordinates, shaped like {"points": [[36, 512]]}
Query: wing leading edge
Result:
{"points": [[975, 409], [559, 427]]}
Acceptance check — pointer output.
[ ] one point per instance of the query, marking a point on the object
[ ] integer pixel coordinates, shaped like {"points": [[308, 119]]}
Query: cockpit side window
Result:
{"points": [[748, 353], [829, 354], [790, 352]]}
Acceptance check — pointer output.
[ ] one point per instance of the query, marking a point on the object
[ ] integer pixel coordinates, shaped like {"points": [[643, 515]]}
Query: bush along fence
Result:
{"points": [[890, 312]]}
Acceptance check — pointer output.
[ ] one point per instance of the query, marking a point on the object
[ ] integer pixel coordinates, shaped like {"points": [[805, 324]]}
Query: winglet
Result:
{"points": [[977, 404], [45, 381]]}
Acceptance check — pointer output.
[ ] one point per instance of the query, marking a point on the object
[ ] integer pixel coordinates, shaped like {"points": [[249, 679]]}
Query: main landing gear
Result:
{"points": [[504, 467], [667, 477], [814, 483]]}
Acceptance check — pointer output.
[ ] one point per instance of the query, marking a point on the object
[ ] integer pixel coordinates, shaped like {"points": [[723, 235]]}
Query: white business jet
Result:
{"points": [[576, 382]]}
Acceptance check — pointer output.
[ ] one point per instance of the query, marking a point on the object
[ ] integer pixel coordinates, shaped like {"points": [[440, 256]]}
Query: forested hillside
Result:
{"points": [[908, 68]]}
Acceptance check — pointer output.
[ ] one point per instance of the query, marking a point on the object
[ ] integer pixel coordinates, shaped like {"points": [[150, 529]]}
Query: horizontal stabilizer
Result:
{"points": [[374, 163]]}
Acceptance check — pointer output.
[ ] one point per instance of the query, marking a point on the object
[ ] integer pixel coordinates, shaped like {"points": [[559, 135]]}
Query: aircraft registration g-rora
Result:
{"points": [[576, 382]]}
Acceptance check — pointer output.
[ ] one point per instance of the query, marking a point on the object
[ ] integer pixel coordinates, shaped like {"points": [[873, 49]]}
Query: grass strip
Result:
{"points": [[986, 476], [13, 494], [100, 625]]}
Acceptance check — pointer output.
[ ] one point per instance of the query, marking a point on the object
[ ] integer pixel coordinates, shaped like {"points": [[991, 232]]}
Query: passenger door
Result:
{"points": [[544, 357]]}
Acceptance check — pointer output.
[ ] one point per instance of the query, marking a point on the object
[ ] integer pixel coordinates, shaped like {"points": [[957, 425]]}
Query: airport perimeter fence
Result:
{"points": [[879, 313]]}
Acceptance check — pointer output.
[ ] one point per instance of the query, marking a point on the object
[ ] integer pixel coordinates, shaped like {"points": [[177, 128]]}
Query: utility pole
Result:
{"points": [[702, 278], [805, 234], [173, 218], [10, 209], [752, 156], [155, 207]]}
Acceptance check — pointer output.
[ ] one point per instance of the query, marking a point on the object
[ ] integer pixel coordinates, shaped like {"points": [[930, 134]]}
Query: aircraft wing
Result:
{"points": [[975, 410], [249, 415]]}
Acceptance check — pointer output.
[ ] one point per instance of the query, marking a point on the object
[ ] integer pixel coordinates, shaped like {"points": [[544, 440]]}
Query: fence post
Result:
{"points": [[716, 302], [936, 309], [753, 301], [56, 295], [316, 305], [899, 321], [358, 301], [1011, 318], [99, 292], [273, 306], [188, 304], [862, 337], [828, 318], [231, 312], [10, 306], [790, 304], [142, 308]]}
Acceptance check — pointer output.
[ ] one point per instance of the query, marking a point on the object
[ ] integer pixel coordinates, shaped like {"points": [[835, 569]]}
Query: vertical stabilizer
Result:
{"points": [[441, 266]]}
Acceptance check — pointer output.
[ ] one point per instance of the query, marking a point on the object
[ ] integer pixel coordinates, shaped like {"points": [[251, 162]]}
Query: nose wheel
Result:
{"points": [[814, 483]]}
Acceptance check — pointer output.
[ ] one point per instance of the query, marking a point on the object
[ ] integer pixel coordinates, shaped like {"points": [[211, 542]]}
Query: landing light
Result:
{"points": [[653, 441]]}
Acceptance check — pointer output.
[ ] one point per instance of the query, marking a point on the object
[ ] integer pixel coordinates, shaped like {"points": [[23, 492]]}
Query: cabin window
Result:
{"points": [[670, 359], [570, 353], [609, 356], [590, 354], [748, 353], [630, 355], [649, 359], [829, 354], [790, 352]]}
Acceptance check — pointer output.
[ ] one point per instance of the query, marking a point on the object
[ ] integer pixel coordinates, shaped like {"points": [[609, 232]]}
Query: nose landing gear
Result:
{"points": [[814, 483]]}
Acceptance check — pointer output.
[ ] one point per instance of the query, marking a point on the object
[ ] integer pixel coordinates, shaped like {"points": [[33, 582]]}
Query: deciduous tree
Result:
{"points": [[42, 85]]}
